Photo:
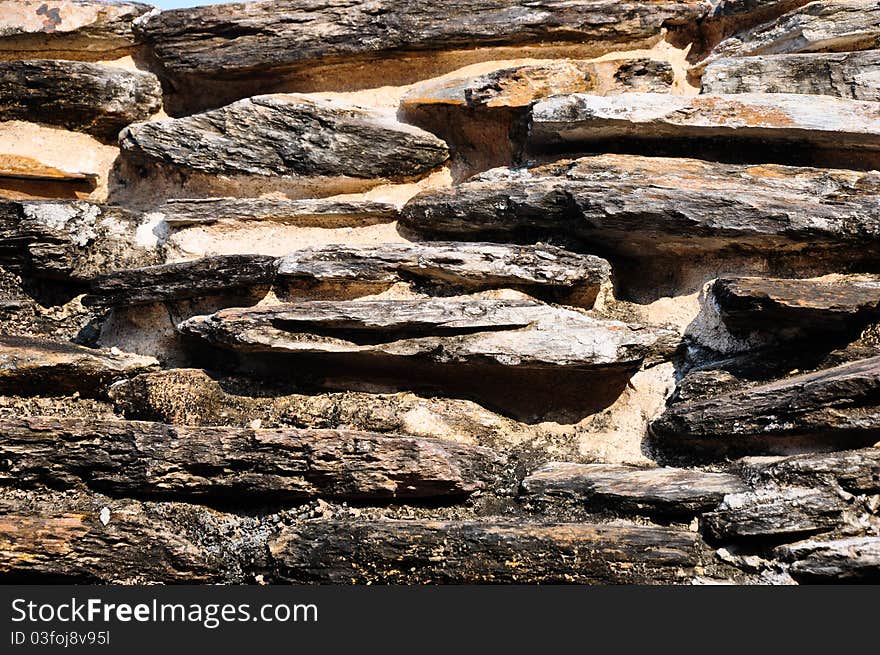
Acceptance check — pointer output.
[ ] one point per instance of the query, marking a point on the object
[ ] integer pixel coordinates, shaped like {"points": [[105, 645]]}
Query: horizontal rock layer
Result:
{"points": [[831, 409], [750, 127], [836, 560], [853, 471], [237, 466], [30, 365], [67, 29], [851, 75], [348, 42], [99, 100], [644, 207], [661, 491], [285, 136], [408, 552]]}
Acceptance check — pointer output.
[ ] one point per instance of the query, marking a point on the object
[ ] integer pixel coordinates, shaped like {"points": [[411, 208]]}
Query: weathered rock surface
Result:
{"points": [[662, 491], [235, 465], [769, 514], [191, 397], [825, 26], [643, 207], [795, 308], [34, 365], [831, 409], [838, 560], [519, 355], [544, 271], [310, 212], [67, 29], [266, 46], [193, 279], [25, 177], [485, 118], [748, 127], [64, 240], [854, 75], [295, 139], [62, 538], [409, 552], [96, 99], [854, 471]]}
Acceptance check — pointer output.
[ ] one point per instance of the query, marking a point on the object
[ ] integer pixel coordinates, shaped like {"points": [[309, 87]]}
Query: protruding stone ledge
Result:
{"points": [[488, 551], [238, 466], [87, 30], [745, 127], [34, 365], [627, 489], [544, 271], [855, 559], [391, 42], [521, 356], [96, 99], [831, 409], [851, 75], [298, 144], [854, 471], [644, 208]]}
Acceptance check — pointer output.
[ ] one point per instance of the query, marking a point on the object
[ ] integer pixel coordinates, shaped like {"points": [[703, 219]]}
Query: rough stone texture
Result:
{"points": [[63, 240], [838, 560], [33, 365], [407, 552], [644, 207], [660, 491], [768, 514], [523, 357], [60, 538], [257, 47], [822, 130], [237, 466], [825, 26], [67, 29], [310, 212], [544, 271], [99, 100], [854, 75], [854, 471], [286, 136], [193, 279], [831, 409], [794, 308]]}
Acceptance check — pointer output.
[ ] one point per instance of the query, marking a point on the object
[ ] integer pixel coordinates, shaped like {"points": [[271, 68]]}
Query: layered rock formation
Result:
{"points": [[480, 292]]}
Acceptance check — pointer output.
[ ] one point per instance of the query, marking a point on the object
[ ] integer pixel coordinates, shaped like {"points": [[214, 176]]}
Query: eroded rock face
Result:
{"points": [[836, 560], [67, 29], [349, 41], [96, 99], [750, 127], [831, 409], [851, 75], [286, 138]]}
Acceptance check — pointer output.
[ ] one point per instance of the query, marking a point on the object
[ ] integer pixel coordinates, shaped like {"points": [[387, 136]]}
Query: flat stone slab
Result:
{"points": [[853, 75], [853, 471], [68, 29], [288, 137], [238, 465], [831, 409], [824, 26], [821, 130], [520, 356], [794, 308], [487, 551], [391, 40], [544, 271], [661, 491], [647, 207], [43, 366], [855, 559], [308, 212], [97, 99]]}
